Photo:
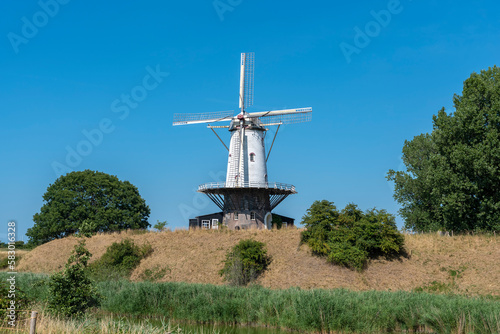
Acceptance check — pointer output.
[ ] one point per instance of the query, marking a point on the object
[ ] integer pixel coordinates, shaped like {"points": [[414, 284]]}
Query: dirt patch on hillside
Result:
{"points": [[196, 256]]}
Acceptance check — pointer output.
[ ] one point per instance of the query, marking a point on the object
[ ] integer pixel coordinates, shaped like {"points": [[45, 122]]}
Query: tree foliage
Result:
{"points": [[277, 222], [350, 237], [245, 262], [71, 290], [160, 225], [88, 202], [452, 177]]}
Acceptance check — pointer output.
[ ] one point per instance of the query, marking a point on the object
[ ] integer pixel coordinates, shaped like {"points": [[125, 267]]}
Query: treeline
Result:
{"points": [[17, 244]]}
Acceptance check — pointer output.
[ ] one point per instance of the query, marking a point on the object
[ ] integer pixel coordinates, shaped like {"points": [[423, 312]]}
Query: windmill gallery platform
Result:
{"points": [[247, 198]]}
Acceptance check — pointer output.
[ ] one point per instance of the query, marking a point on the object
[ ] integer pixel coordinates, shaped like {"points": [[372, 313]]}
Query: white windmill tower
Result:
{"points": [[247, 197]]}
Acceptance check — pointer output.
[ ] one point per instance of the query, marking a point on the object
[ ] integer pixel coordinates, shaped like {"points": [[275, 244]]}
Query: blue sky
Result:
{"points": [[374, 72]]}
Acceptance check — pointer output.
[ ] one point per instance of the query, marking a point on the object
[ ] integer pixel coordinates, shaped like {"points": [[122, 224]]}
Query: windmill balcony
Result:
{"points": [[259, 185]]}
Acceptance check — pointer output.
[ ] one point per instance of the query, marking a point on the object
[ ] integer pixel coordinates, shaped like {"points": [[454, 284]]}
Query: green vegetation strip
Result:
{"points": [[308, 310]]}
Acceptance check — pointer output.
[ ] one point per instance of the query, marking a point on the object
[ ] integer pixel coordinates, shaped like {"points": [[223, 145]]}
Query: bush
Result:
{"points": [[245, 262], [155, 274], [277, 222], [161, 226], [6, 296], [351, 237], [119, 260], [71, 290]]}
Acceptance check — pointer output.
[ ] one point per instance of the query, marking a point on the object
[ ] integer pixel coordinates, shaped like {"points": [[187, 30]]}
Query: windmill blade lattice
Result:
{"points": [[286, 119], [287, 116], [249, 78], [208, 117]]}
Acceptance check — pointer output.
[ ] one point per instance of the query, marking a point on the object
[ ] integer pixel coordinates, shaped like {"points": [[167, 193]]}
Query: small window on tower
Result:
{"points": [[252, 157], [252, 215], [236, 216]]}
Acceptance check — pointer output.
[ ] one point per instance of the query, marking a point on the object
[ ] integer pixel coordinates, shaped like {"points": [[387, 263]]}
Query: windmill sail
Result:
{"points": [[287, 116], [208, 117], [246, 80]]}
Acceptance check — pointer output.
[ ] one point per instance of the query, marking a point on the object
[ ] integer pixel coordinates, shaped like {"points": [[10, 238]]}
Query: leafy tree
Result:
{"points": [[161, 226], [88, 202], [452, 178], [245, 262], [351, 237], [320, 219], [71, 290]]}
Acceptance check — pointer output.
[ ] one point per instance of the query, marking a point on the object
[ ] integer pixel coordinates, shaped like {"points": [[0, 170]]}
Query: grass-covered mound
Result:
{"points": [[198, 256]]}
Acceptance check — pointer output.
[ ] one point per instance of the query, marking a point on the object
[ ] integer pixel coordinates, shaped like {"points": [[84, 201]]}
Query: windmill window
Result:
{"points": [[252, 157], [236, 216], [252, 215]]}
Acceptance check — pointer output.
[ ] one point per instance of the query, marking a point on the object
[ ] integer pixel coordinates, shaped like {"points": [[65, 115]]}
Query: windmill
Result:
{"points": [[247, 197]]}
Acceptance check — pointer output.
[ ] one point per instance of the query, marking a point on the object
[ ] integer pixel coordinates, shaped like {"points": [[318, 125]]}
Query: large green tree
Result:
{"points": [[88, 202], [452, 177]]}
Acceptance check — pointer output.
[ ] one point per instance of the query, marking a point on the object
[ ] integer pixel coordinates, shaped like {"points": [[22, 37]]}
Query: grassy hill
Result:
{"points": [[461, 264]]}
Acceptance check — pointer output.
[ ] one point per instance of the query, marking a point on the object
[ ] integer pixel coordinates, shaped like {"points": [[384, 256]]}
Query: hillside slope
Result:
{"points": [[469, 264]]}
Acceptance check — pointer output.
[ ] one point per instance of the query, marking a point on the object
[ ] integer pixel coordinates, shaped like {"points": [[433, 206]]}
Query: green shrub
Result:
{"points": [[245, 262], [71, 290], [4, 263], [161, 226], [351, 237], [155, 274], [7, 295], [120, 259], [277, 222]]}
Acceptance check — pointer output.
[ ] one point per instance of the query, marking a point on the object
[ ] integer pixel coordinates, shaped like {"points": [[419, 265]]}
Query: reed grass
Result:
{"points": [[318, 310], [94, 324]]}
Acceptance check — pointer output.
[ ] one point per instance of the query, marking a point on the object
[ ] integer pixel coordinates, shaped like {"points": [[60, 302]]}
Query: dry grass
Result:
{"points": [[49, 324], [19, 253], [196, 256]]}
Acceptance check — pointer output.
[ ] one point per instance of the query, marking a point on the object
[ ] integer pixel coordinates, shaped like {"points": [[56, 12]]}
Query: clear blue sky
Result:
{"points": [[372, 84]]}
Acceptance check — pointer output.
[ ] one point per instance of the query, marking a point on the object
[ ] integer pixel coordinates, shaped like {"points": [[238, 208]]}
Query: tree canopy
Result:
{"points": [[87, 202], [452, 177], [351, 237]]}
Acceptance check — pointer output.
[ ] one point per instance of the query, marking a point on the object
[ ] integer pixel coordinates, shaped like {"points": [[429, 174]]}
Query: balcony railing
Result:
{"points": [[262, 185]]}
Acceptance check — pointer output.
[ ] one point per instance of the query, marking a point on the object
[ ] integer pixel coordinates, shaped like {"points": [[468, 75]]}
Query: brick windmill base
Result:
{"points": [[247, 207]]}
